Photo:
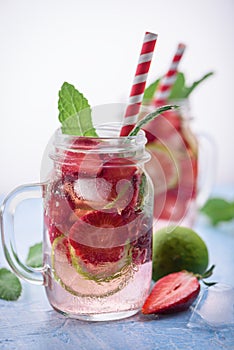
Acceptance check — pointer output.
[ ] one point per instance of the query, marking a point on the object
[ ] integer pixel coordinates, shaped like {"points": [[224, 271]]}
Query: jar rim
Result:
{"points": [[113, 127], [132, 147], [108, 132]]}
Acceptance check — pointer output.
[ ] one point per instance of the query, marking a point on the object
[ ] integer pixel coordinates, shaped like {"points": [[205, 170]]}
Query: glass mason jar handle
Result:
{"points": [[207, 168], [9, 206]]}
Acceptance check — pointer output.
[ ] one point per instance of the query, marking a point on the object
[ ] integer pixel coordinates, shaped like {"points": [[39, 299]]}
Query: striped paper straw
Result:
{"points": [[164, 89], [138, 86]]}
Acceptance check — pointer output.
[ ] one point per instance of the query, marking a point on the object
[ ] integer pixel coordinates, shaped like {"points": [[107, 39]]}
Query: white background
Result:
{"points": [[95, 46]]}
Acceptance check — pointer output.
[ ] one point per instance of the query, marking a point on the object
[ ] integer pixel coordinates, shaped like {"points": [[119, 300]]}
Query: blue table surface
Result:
{"points": [[30, 322]]}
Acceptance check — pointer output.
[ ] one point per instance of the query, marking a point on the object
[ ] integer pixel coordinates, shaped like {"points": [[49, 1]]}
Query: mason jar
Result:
{"points": [[181, 165], [98, 218]]}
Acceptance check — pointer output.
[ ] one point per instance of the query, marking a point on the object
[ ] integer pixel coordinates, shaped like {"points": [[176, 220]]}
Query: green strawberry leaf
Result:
{"points": [[208, 272], [10, 286], [75, 112], [34, 258], [205, 275], [218, 210]]}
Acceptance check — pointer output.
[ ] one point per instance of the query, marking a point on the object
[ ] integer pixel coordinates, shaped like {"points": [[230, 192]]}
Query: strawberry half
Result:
{"points": [[172, 293]]}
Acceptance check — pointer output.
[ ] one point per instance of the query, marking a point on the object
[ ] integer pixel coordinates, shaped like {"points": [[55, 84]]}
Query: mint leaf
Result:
{"points": [[150, 91], [10, 286], [178, 89], [218, 210], [34, 258], [150, 117], [74, 112], [188, 90], [177, 92]]}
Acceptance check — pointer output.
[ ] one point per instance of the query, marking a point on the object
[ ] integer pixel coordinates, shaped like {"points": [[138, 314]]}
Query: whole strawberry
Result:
{"points": [[174, 292]]}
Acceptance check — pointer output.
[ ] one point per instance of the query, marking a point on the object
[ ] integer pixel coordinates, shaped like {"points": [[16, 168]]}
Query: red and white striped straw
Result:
{"points": [[138, 86], [164, 89]]}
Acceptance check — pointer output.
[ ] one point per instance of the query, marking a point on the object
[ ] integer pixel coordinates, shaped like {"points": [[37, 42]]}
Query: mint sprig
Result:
{"points": [[34, 258], [150, 117], [10, 286], [150, 91], [218, 210], [180, 89], [188, 89], [75, 112]]}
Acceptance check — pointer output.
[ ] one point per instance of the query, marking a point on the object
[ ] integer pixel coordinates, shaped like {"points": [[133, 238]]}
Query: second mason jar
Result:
{"points": [[181, 181]]}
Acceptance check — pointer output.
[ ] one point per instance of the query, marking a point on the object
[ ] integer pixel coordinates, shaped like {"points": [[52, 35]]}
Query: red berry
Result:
{"points": [[123, 180], [53, 232], [99, 237], [59, 207], [80, 160], [172, 293], [118, 169]]}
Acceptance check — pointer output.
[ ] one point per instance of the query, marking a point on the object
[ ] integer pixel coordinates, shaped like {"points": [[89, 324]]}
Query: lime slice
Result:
{"points": [[83, 279], [163, 167], [103, 272]]}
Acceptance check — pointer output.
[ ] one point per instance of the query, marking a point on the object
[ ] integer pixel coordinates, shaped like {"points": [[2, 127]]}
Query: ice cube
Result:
{"points": [[215, 307], [93, 189]]}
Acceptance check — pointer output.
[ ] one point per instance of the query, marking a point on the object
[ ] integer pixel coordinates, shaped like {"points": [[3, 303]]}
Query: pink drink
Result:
{"points": [[98, 228], [173, 168]]}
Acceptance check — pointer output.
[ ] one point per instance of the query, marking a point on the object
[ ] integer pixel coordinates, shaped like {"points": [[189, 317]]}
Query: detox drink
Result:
{"points": [[173, 167], [98, 226]]}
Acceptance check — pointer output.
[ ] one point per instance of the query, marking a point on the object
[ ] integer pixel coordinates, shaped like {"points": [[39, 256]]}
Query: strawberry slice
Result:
{"points": [[172, 293], [99, 237], [59, 207], [53, 231], [123, 180], [79, 160], [118, 169]]}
